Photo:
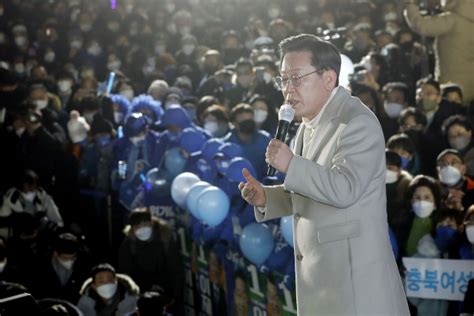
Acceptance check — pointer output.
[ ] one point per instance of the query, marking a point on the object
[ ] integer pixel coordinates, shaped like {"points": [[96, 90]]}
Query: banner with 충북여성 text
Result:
{"points": [[437, 278]]}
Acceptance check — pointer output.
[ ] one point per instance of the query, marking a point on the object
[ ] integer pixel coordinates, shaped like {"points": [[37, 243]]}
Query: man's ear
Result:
{"points": [[330, 78]]}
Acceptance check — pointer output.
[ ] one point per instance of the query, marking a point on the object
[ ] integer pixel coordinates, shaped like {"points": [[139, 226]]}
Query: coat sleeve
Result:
{"points": [[278, 204], [428, 25], [359, 150]]}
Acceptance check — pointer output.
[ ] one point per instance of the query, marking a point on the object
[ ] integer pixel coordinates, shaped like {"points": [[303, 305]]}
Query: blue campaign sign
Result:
{"points": [[437, 278]]}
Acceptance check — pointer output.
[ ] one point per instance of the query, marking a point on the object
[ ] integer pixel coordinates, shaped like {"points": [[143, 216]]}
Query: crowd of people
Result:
{"points": [[104, 103]]}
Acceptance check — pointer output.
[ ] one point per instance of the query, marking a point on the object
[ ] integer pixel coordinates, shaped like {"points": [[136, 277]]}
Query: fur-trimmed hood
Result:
{"points": [[122, 279]]}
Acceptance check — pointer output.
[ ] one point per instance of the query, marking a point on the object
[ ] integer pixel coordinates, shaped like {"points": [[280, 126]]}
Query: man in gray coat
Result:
{"points": [[334, 188]]}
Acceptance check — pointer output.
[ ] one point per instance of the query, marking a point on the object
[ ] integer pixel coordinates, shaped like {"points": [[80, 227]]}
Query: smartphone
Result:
{"points": [[122, 169]]}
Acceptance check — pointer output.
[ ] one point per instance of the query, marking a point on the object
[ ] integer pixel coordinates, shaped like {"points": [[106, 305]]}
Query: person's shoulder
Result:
{"points": [[130, 285], [263, 134]]}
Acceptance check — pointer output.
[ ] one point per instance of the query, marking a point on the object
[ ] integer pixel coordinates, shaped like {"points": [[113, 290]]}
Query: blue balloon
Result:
{"points": [[174, 161], [193, 195], [213, 206], [257, 243], [286, 228]]}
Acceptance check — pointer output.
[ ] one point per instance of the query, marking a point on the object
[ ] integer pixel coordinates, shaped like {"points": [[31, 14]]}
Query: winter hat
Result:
{"points": [[77, 127]]}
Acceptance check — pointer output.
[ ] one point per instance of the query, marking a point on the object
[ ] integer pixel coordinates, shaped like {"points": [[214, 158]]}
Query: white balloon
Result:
{"points": [[347, 68], [180, 187]]}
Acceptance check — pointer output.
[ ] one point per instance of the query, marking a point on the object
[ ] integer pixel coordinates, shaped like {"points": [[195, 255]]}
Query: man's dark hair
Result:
{"points": [[139, 216], [430, 81], [460, 120], [102, 267], [397, 86], [28, 177], [238, 109], [325, 55], [66, 243], [151, 303], [392, 159], [451, 87], [420, 117], [443, 214], [401, 141]]}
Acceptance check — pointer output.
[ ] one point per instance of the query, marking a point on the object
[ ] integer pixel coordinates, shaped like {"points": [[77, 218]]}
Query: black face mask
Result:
{"points": [[247, 126]]}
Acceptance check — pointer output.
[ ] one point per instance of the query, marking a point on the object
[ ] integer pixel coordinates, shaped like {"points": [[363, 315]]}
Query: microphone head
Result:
{"points": [[286, 113]]}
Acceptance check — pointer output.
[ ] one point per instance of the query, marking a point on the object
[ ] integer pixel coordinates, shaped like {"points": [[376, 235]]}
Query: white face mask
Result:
{"points": [[393, 109], [19, 68], [85, 27], [449, 175], [66, 263], [49, 57], [64, 85], [41, 104], [460, 142], [118, 117], [470, 233], [76, 44], [29, 196], [143, 233], [137, 139], [20, 40], [267, 77], [391, 16], [188, 49], [128, 93], [211, 127], [19, 131], [107, 290], [391, 176], [2, 265], [112, 66], [260, 116], [423, 208]]}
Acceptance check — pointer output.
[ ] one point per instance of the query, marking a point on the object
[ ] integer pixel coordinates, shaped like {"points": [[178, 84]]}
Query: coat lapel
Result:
{"points": [[328, 124]]}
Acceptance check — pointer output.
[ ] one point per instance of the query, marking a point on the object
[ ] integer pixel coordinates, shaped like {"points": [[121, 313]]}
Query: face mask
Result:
{"points": [[49, 57], [391, 176], [405, 163], [118, 117], [103, 140], [391, 16], [260, 116], [392, 29], [76, 44], [273, 13], [423, 208], [185, 30], [94, 50], [247, 126], [64, 85], [470, 233], [113, 26], [67, 264], [128, 93], [29, 196], [393, 109], [89, 116], [245, 80], [137, 140], [460, 142], [188, 49], [428, 105], [107, 290], [211, 127], [143, 233], [444, 237], [85, 27], [113, 66], [331, 25], [449, 175], [267, 77], [160, 49], [20, 131], [41, 104], [299, 9], [2, 265], [20, 68], [20, 40]]}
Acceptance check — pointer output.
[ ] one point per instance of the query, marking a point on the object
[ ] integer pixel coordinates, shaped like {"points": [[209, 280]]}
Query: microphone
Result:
{"points": [[285, 116]]}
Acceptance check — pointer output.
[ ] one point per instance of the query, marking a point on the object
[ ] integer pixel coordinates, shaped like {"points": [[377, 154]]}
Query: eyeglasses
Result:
{"points": [[295, 80]]}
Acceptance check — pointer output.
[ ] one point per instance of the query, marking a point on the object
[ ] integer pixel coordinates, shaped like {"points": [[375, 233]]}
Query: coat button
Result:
{"points": [[299, 257], [297, 216]]}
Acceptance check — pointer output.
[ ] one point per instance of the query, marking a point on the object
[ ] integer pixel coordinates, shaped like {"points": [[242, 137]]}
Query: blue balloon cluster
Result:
{"points": [[286, 228]]}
